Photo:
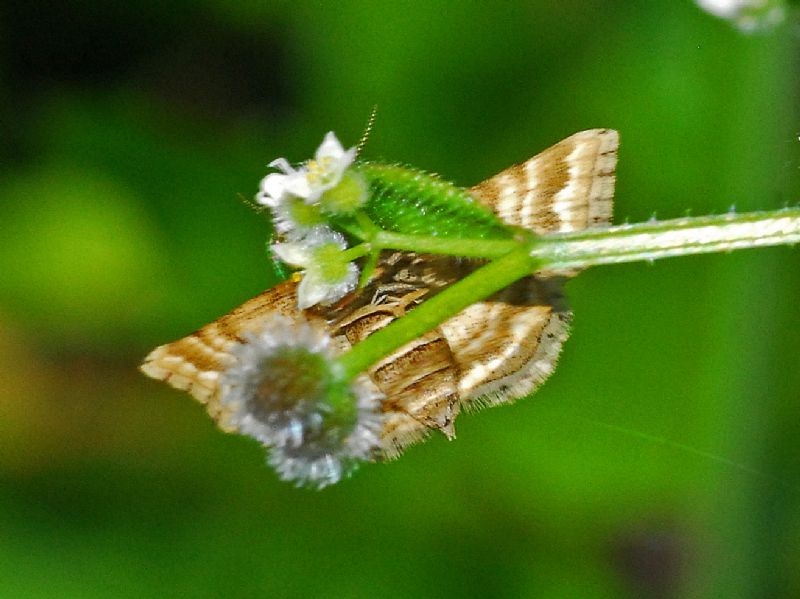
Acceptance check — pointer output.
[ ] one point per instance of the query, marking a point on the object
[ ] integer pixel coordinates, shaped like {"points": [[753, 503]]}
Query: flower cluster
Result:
{"points": [[301, 200], [282, 390]]}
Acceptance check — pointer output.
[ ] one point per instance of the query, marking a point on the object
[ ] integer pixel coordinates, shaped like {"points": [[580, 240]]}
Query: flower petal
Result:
{"points": [[296, 254], [272, 189], [311, 291], [297, 184], [282, 164], [330, 147]]}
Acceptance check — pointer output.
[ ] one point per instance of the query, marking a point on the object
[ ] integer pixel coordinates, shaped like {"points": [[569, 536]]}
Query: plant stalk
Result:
{"points": [[477, 285], [664, 239], [564, 251]]}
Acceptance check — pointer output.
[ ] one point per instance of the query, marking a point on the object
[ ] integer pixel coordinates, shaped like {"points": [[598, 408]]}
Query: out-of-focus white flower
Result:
{"points": [[282, 390], [747, 15], [328, 276]]}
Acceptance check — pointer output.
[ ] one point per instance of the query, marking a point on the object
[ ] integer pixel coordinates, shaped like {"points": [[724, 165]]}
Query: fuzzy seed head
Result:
{"points": [[283, 389]]}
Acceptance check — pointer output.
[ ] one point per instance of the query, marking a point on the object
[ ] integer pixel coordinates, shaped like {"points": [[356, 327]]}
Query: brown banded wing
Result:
{"points": [[509, 344], [420, 380], [493, 351]]}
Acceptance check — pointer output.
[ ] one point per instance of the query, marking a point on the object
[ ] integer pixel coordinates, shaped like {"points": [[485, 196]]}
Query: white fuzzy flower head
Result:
{"points": [[283, 390], [747, 15], [327, 275]]}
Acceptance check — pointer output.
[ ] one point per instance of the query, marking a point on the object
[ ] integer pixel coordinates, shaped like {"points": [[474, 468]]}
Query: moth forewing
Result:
{"points": [[508, 345], [420, 380], [196, 362]]}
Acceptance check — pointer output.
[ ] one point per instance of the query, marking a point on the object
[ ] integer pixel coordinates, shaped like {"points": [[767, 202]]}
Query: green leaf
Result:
{"points": [[413, 202]]}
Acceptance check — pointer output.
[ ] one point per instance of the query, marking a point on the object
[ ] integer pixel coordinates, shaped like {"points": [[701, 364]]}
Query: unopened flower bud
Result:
{"points": [[347, 196]]}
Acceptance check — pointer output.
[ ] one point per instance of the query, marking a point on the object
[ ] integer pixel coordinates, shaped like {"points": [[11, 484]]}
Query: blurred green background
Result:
{"points": [[661, 460]]}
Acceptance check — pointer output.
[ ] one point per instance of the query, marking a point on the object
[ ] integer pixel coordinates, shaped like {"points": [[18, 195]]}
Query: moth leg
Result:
{"points": [[387, 291]]}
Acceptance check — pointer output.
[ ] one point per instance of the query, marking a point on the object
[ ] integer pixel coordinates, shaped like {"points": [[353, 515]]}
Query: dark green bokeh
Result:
{"points": [[131, 130]]}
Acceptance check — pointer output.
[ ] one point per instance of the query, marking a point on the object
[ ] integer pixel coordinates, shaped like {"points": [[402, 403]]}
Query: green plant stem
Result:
{"points": [[664, 239], [466, 248], [613, 245], [355, 252], [486, 280], [380, 239]]}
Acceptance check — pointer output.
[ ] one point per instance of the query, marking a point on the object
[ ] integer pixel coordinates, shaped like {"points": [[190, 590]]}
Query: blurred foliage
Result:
{"points": [[130, 133]]}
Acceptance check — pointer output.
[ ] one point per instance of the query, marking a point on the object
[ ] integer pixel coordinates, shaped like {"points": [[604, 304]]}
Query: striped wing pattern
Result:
{"points": [[493, 351], [420, 381], [568, 187], [196, 362], [507, 345]]}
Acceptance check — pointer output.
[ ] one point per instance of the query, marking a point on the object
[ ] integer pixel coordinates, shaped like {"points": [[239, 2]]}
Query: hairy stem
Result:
{"points": [[678, 237], [466, 248]]}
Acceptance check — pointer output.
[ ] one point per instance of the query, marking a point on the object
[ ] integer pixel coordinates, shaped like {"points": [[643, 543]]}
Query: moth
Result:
{"points": [[492, 352]]}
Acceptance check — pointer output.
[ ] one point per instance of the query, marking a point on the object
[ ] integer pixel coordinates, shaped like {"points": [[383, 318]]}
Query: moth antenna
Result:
{"points": [[367, 130], [250, 203]]}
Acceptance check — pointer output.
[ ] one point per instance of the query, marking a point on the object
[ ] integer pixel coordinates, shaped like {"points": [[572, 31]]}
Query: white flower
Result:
{"points": [[278, 191], [281, 389], [285, 193], [311, 180], [275, 188], [748, 15], [328, 276], [330, 162]]}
